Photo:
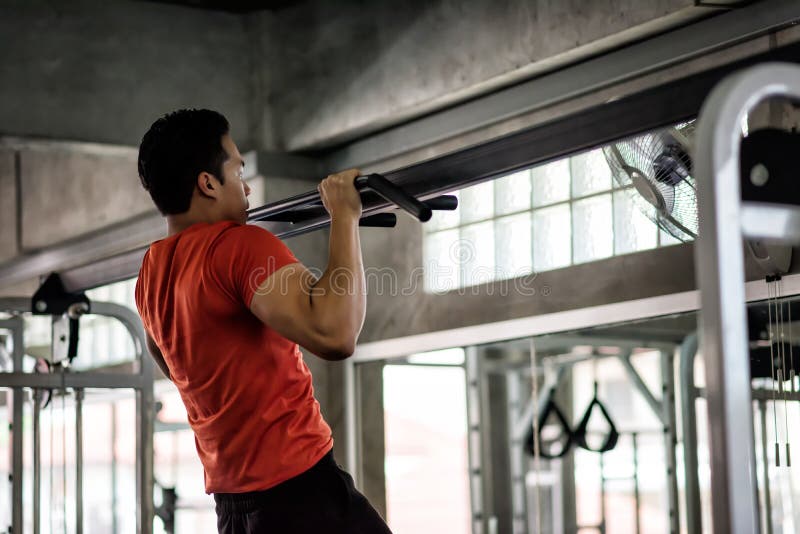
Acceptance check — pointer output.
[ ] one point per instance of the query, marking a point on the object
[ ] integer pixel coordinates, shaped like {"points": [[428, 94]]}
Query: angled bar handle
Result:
{"points": [[442, 203], [394, 194], [379, 220]]}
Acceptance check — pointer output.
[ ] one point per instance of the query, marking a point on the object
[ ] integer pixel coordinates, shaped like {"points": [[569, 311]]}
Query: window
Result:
{"points": [[427, 480], [562, 213]]}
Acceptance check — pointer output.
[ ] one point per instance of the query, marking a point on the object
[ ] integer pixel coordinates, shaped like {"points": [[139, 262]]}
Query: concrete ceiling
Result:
{"points": [[232, 6]]}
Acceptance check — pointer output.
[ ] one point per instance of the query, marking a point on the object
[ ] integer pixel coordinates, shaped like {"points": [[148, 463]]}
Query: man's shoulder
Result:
{"points": [[233, 234]]}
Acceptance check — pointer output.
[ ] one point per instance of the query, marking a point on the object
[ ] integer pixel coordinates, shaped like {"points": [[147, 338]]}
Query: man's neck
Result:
{"points": [[179, 223]]}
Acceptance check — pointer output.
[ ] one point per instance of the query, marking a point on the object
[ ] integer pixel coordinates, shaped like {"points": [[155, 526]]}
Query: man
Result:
{"points": [[225, 306]]}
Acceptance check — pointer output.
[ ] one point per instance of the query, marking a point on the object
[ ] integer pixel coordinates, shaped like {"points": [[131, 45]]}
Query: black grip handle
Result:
{"points": [[379, 220], [394, 194], [444, 202]]}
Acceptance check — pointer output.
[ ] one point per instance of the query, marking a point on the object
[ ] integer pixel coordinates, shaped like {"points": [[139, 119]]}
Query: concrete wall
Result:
{"points": [[104, 71]]}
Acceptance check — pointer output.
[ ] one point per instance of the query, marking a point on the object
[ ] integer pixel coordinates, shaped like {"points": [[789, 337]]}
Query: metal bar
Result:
{"points": [[602, 528], [633, 374], [636, 498], [759, 394], [474, 446], [670, 436], [719, 265], [70, 380], [396, 195], [557, 341], [516, 456], [113, 467], [767, 511], [79, 461], [593, 74], [145, 410], [694, 518], [17, 422], [37, 459]]}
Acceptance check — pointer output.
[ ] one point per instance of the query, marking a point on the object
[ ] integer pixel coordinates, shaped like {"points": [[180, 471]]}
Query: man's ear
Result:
{"points": [[208, 185]]}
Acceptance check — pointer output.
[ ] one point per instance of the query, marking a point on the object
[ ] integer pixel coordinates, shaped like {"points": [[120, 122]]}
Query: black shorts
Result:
{"points": [[322, 500]]}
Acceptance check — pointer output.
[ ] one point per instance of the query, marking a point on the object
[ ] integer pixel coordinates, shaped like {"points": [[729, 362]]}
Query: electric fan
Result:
{"points": [[656, 169]]}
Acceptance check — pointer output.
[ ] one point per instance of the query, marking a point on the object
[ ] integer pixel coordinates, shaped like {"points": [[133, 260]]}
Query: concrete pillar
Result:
{"points": [[9, 244]]}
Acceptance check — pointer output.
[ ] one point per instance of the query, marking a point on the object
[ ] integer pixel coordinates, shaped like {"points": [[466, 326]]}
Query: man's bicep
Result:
{"points": [[283, 302]]}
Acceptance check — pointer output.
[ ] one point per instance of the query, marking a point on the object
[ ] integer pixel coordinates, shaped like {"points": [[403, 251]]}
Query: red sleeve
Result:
{"points": [[245, 256]]}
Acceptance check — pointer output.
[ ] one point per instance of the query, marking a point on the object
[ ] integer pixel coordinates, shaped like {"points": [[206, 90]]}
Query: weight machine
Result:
{"points": [[725, 220]]}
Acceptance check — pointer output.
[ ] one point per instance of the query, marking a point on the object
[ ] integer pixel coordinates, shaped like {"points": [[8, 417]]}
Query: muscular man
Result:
{"points": [[225, 306]]}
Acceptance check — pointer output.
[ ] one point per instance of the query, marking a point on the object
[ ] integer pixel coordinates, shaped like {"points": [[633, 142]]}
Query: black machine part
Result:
{"points": [[53, 299], [611, 437], [768, 175]]}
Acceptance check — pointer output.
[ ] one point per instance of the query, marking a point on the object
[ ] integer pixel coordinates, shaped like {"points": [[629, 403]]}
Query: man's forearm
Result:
{"points": [[338, 299]]}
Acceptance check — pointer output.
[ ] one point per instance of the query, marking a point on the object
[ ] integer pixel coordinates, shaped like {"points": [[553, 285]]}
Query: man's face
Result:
{"points": [[235, 190]]}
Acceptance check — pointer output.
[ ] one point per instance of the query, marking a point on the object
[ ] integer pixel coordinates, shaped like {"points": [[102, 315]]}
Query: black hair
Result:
{"points": [[177, 147]]}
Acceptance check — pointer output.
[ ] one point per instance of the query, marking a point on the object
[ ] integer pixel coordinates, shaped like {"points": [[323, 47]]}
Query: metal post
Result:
{"points": [[719, 264], [602, 494], [79, 461], [688, 351], [516, 456], [474, 445], [37, 459], [17, 400], [113, 467], [145, 410], [670, 435], [762, 410], [636, 497]]}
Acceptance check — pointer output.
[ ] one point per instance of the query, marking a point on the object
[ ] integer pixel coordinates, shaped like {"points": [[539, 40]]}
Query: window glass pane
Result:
{"points": [[513, 238], [592, 226], [477, 202], [441, 261], [633, 230], [427, 475], [550, 182], [667, 239], [476, 253], [590, 173], [444, 219], [513, 192], [551, 238]]}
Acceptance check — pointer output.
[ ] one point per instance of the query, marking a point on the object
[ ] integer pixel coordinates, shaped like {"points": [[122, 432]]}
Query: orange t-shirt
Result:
{"points": [[246, 389]]}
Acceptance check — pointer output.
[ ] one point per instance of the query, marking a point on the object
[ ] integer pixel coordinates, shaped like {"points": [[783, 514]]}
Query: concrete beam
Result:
{"points": [[104, 71], [66, 193], [380, 64]]}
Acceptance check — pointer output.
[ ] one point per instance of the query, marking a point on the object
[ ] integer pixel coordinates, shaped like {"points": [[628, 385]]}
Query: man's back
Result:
{"points": [[246, 389]]}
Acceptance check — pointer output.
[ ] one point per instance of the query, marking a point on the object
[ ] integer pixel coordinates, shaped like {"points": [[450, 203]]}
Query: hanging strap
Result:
{"points": [[580, 433], [551, 407]]}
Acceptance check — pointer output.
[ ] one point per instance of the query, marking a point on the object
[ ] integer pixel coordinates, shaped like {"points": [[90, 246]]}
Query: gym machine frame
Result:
{"points": [[725, 220], [141, 382]]}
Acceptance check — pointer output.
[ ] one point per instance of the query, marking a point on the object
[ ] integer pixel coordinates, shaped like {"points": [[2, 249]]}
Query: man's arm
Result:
{"points": [[157, 356], [326, 315]]}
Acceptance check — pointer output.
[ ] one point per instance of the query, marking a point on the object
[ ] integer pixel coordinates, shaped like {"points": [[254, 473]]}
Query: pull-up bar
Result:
{"points": [[305, 212]]}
